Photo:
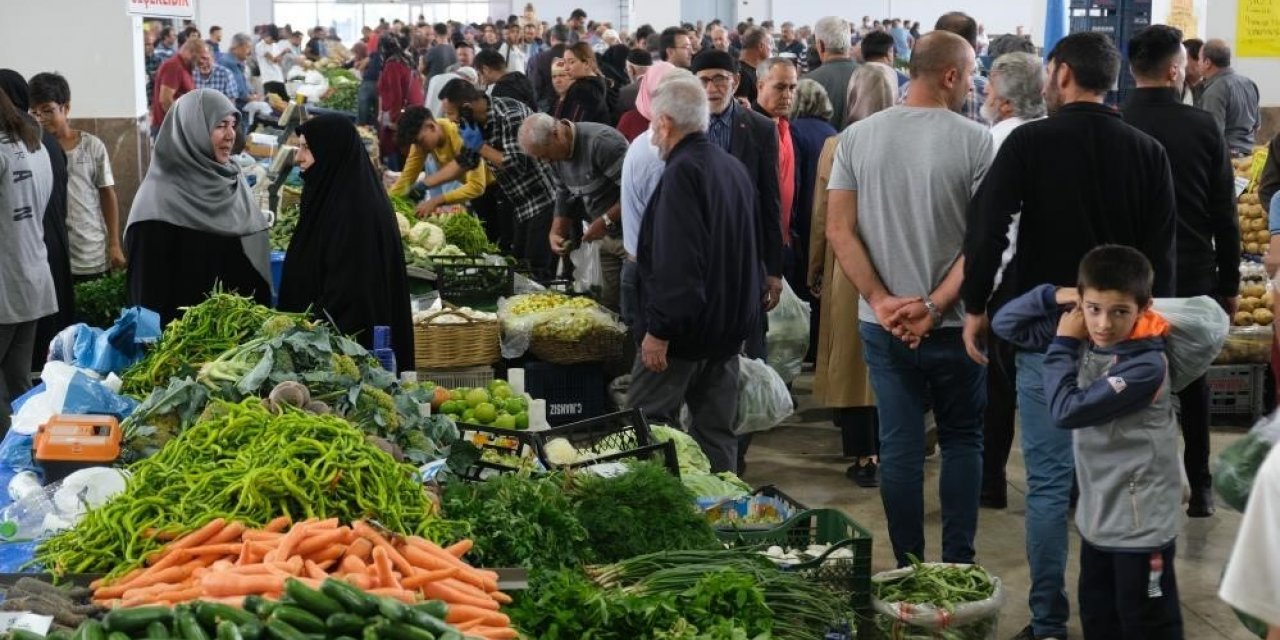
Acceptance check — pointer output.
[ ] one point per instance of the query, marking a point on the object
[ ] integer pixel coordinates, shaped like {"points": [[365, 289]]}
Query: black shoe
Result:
{"points": [[994, 498], [1028, 633], [1201, 503], [864, 475]]}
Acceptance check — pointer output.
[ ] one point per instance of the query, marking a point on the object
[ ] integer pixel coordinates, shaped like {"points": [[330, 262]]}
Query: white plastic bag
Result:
{"points": [[763, 399], [39, 408], [588, 277], [788, 336], [968, 621], [1198, 328]]}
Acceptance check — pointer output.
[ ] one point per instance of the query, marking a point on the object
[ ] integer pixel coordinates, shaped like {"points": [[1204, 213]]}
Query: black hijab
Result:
{"points": [[345, 260], [56, 242], [613, 64]]}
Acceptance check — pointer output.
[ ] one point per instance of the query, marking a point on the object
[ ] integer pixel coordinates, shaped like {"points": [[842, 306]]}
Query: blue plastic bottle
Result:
{"points": [[382, 348]]}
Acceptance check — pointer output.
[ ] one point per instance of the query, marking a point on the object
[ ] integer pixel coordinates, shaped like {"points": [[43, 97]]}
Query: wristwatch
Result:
{"points": [[934, 313]]}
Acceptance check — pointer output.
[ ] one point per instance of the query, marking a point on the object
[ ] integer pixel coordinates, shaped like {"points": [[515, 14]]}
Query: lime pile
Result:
{"points": [[495, 405]]}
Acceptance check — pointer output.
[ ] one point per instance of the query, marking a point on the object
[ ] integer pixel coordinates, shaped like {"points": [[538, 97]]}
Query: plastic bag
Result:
{"points": [[1238, 464], [69, 390], [1198, 329], [763, 399], [110, 350], [562, 318], [968, 621], [588, 277], [788, 336]]}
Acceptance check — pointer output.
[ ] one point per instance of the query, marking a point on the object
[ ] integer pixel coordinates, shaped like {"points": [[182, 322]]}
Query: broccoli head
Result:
{"points": [[377, 405], [344, 366], [277, 325]]}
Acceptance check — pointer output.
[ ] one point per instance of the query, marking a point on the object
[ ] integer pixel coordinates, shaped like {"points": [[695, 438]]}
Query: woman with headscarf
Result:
{"points": [[840, 377], [636, 121], [399, 86], [345, 262], [810, 128], [57, 245], [587, 99], [26, 286], [613, 63], [194, 224]]}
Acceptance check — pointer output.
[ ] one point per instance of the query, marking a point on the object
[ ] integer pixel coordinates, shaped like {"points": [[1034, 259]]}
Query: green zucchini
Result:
{"points": [[393, 609], [136, 618], [352, 599], [211, 613], [345, 624], [401, 631], [436, 608], [92, 630], [227, 630], [158, 631], [281, 630], [311, 600], [187, 626], [299, 619]]}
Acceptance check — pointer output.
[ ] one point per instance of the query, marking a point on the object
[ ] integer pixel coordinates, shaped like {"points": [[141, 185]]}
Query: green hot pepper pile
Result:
{"points": [[944, 588], [242, 462]]}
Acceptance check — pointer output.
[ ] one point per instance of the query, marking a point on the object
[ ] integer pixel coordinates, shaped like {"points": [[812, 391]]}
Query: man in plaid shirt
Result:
{"points": [[209, 75], [491, 131]]}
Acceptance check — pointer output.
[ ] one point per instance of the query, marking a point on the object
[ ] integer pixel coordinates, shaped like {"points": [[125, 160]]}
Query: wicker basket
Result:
{"points": [[598, 345], [471, 343]]}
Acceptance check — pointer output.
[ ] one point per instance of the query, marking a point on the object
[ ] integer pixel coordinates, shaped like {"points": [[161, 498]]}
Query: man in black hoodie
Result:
{"points": [[700, 276], [1081, 178], [1208, 237], [491, 66]]}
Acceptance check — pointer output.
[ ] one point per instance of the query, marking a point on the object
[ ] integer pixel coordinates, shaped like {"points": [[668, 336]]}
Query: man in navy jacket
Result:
{"points": [[700, 276]]}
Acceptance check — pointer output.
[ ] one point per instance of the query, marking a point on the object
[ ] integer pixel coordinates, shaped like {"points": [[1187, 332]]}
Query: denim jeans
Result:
{"points": [[629, 291], [905, 381], [1050, 462]]}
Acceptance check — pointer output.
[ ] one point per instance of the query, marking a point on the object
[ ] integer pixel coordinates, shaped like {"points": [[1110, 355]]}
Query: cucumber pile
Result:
{"points": [[337, 611]]}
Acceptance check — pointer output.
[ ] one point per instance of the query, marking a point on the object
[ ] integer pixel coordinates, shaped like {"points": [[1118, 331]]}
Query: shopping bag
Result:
{"points": [[788, 336], [1198, 328], [1238, 464], [966, 621], [588, 277], [763, 399]]}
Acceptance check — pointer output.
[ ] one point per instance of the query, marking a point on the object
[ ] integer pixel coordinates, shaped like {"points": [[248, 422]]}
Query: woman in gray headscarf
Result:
{"points": [[194, 224]]}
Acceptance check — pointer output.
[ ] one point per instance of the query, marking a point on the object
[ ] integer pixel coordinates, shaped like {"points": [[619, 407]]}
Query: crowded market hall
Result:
{"points": [[661, 320]]}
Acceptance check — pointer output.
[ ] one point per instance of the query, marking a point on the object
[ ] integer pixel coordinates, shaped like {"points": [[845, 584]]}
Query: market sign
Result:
{"points": [[1258, 28], [163, 8]]}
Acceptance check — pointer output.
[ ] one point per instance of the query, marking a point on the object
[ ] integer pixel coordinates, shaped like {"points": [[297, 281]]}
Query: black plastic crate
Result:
{"points": [[502, 451], [612, 437], [1236, 390], [467, 281], [573, 391]]}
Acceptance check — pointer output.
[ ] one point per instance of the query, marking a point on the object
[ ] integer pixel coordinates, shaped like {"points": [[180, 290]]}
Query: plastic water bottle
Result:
{"points": [[382, 348], [27, 518]]}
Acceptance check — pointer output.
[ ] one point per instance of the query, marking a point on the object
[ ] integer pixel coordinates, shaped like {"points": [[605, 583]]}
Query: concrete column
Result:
{"points": [[103, 65]]}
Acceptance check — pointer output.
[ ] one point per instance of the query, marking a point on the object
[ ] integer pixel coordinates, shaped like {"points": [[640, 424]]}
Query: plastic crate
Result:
{"points": [[617, 436], [465, 282], [500, 442], [1236, 390], [573, 391], [468, 378], [851, 577]]}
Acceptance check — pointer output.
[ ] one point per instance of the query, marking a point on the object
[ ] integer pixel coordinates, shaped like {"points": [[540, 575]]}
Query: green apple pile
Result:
{"points": [[496, 405]]}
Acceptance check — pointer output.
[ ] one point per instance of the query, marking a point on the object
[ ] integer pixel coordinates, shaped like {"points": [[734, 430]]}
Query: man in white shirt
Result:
{"points": [[1253, 573], [270, 52], [512, 51], [1014, 97]]}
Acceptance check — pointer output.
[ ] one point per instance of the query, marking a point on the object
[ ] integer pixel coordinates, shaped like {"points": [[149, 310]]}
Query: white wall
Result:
{"points": [[999, 16], [231, 15], [1264, 71], [105, 71]]}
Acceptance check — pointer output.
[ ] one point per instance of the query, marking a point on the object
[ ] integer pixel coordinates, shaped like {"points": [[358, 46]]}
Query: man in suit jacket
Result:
{"points": [[1207, 238], [753, 140]]}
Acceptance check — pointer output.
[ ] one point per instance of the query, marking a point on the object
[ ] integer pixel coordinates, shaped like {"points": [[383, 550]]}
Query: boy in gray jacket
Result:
{"points": [[1106, 376]]}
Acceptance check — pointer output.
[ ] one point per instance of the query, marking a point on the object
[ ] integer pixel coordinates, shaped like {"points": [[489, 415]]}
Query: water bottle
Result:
{"points": [[26, 519], [382, 348]]}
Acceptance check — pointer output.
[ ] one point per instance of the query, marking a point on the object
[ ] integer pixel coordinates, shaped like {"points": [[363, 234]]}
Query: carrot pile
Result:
{"points": [[225, 562]]}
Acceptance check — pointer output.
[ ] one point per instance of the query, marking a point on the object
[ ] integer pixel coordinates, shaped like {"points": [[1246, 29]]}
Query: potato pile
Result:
{"points": [[1254, 234], [1256, 298]]}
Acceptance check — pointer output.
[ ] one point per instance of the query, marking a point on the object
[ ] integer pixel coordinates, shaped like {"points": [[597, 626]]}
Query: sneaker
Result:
{"points": [[1201, 505], [864, 475]]}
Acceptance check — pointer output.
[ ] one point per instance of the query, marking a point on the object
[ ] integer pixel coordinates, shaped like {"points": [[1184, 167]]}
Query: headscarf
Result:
{"points": [[648, 84], [345, 261], [613, 63], [186, 187]]}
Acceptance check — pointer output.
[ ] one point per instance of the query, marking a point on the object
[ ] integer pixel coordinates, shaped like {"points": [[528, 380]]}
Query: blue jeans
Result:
{"points": [[629, 291], [907, 382], [1050, 462]]}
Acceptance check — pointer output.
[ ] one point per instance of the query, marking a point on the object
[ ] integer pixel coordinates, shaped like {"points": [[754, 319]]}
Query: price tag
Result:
{"points": [[1241, 185], [25, 621]]}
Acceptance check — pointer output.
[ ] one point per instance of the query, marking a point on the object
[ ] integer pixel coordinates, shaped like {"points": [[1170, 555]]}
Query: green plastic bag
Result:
{"points": [[1238, 464]]}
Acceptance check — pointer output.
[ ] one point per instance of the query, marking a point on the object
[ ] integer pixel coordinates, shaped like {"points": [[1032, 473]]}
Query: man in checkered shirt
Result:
{"points": [[491, 131], [210, 75]]}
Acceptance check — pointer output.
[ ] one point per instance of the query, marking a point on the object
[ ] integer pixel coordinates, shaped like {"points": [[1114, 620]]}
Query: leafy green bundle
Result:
{"points": [[99, 301]]}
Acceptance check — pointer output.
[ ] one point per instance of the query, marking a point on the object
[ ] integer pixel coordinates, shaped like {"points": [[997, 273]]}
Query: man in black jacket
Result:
{"points": [[491, 67], [1081, 178], [1208, 237], [700, 277], [752, 139]]}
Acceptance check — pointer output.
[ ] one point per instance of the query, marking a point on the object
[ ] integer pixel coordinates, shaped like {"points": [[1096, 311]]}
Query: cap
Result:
{"points": [[714, 59], [640, 58]]}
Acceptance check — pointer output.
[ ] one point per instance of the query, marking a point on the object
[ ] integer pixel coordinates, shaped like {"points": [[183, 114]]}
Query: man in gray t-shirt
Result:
{"points": [[898, 193]]}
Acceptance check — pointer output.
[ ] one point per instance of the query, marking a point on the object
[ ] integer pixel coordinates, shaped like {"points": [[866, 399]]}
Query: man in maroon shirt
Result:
{"points": [[173, 79]]}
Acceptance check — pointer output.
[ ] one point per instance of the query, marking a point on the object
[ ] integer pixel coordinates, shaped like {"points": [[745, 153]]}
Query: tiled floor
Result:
{"points": [[803, 458]]}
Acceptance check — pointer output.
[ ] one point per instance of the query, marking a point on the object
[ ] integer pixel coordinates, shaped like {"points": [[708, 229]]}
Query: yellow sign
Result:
{"points": [[1258, 29], [1182, 14]]}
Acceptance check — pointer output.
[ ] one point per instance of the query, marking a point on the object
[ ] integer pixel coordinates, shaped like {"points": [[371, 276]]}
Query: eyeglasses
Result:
{"points": [[44, 113], [720, 81]]}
